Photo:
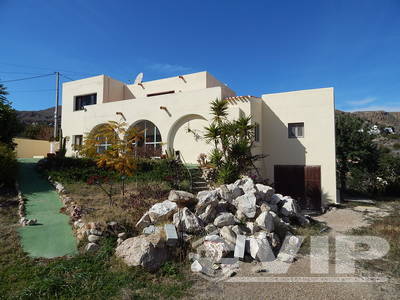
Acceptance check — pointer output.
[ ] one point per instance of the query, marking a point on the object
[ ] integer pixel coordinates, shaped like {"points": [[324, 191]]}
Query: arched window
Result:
{"points": [[105, 137], [150, 141]]}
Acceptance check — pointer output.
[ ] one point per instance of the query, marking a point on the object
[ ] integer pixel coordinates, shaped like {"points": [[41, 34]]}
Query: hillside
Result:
{"points": [[381, 117], [45, 116]]}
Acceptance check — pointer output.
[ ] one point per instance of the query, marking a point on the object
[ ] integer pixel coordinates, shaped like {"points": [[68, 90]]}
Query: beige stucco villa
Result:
{"points": [[294, 130]]}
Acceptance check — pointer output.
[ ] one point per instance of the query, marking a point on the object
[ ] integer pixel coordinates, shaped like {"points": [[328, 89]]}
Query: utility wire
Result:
{"points": [[42, 68], [20, 91], [27, 78], [26, 73], [67, 77]]}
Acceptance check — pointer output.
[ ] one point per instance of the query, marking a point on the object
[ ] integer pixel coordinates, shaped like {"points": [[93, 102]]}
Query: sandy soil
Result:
{"points": [[340, 221]]}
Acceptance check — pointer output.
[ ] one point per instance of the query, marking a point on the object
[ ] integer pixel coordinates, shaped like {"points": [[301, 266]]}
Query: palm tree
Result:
{"points": [[219, 110]]}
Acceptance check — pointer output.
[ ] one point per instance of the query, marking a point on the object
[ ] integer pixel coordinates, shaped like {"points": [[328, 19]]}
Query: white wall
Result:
{"points": [[316, 109]]}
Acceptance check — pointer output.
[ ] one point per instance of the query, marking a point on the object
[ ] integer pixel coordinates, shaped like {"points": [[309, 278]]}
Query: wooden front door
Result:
{"points": [[302, 183]]}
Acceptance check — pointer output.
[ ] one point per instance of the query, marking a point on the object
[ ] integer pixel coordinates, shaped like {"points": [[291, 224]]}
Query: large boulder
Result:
{"points": [[235, 191], [265, 221], [265, 192], [182, 198], [260, 249], [205, 198], [247, 204], [144, 221], [229, 236], [160, 212], [209, 214], [215, 248], [186, 221], [225, 219], [290, 207], [148, 251]]}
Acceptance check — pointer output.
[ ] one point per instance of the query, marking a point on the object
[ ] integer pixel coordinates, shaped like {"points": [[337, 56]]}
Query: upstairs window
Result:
{"points": [[160, 93], [296, 130], [82, 101]]}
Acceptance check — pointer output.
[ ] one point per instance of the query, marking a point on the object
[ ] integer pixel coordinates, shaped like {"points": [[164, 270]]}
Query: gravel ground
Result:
{"points": [[340, 221]]}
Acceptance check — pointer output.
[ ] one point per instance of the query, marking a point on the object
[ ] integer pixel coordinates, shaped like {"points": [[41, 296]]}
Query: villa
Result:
{"points": [[294, 130]]}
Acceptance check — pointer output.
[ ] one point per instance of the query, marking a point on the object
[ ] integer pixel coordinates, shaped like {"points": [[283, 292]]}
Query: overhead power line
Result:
{"points": [[67, 77], [27, 78], [31, 91]]}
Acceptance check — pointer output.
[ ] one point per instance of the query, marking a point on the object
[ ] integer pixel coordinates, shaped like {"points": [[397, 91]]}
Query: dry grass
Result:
{"points": [[84, 276], [387, 227], [138, 199]]}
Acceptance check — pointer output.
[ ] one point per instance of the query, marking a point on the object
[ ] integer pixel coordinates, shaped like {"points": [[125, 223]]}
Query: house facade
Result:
{"points": [[295, 131]]}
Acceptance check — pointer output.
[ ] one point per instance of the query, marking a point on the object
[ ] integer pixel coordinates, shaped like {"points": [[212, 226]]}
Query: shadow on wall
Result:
{"points": [[279, 148]]}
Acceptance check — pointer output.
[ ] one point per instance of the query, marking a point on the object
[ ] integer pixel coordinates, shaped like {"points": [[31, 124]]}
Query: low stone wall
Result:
{"points": [[90, 232]]}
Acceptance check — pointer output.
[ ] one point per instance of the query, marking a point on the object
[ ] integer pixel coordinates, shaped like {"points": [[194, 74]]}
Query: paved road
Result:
{"points": [[53, 236]]}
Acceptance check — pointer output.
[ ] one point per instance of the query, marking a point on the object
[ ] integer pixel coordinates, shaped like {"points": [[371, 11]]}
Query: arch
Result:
{"points": [[150, 143], [177, 124], [103, 143]]}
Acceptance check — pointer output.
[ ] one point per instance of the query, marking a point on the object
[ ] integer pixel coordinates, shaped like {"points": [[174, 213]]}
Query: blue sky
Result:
{"points": [[256, 47]]}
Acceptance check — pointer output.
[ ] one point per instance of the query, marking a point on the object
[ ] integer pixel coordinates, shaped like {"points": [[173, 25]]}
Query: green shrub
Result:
{"points": [[70, 169], [8, 165], [396, 146]]}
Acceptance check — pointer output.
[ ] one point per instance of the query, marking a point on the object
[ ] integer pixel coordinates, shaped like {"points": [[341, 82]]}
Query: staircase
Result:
{"points": [[198, 183]]}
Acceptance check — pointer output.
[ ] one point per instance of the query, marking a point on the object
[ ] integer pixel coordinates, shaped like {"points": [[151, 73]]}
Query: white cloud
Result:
{"points": [[362, 101], [168, 68], [377, 107]]}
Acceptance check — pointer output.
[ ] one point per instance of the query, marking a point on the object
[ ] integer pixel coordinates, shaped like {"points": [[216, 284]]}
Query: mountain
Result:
{"points": [[381, 118], [45, 116]]}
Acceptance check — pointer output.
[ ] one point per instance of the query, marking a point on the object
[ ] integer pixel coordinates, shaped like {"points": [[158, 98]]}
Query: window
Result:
{"points": [[82, 101], [150, 142], [78, 139], [296, 130], [160, 93], [103, 144], [256, 132]]}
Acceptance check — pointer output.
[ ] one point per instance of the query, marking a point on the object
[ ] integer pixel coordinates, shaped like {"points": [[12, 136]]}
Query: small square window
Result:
{"points": [[296, 130]]}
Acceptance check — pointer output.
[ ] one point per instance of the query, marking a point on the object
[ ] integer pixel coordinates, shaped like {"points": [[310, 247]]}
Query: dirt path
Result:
{"points": [[52, 236], [340, 221]]}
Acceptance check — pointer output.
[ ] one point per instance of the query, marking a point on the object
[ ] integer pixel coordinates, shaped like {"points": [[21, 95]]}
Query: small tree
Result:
{"points": [[9, 124], [232, 140], [119, 156], [355, 149]]}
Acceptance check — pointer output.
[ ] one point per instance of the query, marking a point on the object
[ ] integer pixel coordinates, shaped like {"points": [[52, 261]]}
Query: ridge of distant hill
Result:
{"points": [[378, 117], [44, 116]]}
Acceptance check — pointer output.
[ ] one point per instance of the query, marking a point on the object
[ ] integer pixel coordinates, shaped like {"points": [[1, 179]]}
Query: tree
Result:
{"points": [[9, 124], [355, 149], [119, 156], [232, 141]]}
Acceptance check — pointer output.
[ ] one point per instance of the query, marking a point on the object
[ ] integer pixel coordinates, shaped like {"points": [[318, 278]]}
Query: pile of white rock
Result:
{"points": [[242, 220]]}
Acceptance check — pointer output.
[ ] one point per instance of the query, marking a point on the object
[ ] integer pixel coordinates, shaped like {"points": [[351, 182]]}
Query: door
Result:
{"points": [[302, 183]]}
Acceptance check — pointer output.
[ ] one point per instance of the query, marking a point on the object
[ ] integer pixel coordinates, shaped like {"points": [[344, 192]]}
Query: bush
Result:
{"points": [[8, 165], [69, 169], [396, 146]]}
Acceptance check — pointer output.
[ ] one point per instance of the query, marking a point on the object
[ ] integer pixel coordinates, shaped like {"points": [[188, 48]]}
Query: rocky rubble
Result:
{"points": [[239, 221]]}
